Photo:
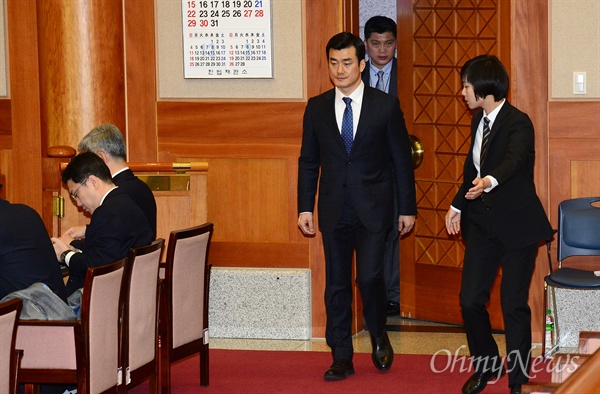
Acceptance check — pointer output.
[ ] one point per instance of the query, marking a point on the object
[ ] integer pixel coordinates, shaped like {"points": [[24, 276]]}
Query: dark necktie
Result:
{"points": [[380, 83], [485, 140], [347, 126]]}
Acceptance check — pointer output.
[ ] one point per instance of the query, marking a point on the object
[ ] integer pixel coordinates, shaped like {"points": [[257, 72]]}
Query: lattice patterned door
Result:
{"points": [[435, 38]]}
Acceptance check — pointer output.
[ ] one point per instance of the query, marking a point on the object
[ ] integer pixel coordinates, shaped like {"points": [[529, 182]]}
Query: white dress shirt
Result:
{"points": [[356, 105]]}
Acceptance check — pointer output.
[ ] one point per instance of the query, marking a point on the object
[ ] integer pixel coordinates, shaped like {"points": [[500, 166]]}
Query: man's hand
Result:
{"points": [[406, 224], [59, 247], [77, 232], [479, 185], [452, 222], [305, 222]]}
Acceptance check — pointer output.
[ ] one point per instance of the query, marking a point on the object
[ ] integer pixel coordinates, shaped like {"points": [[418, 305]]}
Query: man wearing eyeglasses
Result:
{"points": [[117, 223]]}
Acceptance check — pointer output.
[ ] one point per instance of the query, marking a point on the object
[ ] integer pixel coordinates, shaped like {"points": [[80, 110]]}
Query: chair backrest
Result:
{"points": [[9, 316], [139, 296], [186, 275], [100, 320], [578, 227]]}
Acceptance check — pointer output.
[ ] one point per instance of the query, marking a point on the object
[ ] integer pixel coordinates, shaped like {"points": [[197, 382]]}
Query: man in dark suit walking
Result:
{"points": [[381, 72], [502, 221], [355, 146], [117, 223]]}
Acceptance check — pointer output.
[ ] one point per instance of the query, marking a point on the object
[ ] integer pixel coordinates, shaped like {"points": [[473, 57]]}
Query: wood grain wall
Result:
{"points": [[574, 151]]}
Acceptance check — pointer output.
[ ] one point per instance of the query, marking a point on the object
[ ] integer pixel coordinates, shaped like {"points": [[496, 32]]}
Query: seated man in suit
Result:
{"points": [[26, 254], [107, 142], [117, 223]]}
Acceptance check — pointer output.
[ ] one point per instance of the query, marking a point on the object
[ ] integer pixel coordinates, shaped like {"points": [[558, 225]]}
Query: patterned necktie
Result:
{"points": [[380, 83], [347, 132], [485, 142]]}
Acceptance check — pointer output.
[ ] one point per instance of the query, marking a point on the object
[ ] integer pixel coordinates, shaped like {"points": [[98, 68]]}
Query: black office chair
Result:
{"points": [[578, 234]]}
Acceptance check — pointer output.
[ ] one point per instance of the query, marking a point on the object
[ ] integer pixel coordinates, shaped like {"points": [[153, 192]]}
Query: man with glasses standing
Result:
{"points": [[117, 223]]}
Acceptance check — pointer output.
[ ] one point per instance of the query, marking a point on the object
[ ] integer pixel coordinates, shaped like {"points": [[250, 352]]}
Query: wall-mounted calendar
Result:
{"points": [[227, 38]]}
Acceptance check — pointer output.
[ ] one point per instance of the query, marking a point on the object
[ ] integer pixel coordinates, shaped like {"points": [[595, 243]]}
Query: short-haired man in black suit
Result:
{"points": [[381, 72], [355, 148], [117, 223]]}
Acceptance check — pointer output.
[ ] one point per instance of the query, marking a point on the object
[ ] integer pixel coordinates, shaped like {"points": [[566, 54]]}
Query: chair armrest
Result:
{"points": [[49, 344]]}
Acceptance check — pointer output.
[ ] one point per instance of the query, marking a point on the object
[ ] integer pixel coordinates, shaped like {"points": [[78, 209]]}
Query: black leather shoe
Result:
{"points": [[383, 354], [393, 308], [339, 370], [479, 380], [516, 389]]}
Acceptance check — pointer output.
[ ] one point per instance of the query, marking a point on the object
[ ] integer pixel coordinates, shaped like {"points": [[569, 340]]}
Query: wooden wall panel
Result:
{"points": [[25, 104], [574, 119], [5, 128], [5, 123], [580, 178], [229, 120], [249, 199], [140, 80], [574, 151], [574, 171]]}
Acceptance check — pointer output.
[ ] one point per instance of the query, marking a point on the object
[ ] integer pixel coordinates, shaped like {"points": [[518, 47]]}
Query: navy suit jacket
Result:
{"points": [[26, 252], [393, 88], [116, 226], [140, 193], [380, 159], [516, 213]]}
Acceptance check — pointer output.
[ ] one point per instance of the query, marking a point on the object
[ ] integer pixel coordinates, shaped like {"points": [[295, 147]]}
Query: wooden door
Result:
{"points": [[434, 41]]}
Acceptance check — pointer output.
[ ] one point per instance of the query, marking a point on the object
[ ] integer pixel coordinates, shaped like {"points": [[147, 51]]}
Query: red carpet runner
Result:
{"points": [[242, 371]]}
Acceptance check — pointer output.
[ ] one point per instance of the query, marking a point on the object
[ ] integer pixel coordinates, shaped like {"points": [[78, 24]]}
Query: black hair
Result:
{"points": [[346, 40], [380, 24], [487, 75], [85, 164]]}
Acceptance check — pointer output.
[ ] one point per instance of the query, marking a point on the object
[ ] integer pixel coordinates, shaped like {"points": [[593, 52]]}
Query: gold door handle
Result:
{"points": [[416, 150]]}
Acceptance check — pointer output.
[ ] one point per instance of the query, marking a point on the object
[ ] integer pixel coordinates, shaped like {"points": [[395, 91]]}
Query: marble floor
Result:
{"points": [[408, 336]]}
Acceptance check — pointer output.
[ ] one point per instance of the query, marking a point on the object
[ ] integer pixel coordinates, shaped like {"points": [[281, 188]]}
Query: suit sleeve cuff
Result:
{"points": [[66, 257]]}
